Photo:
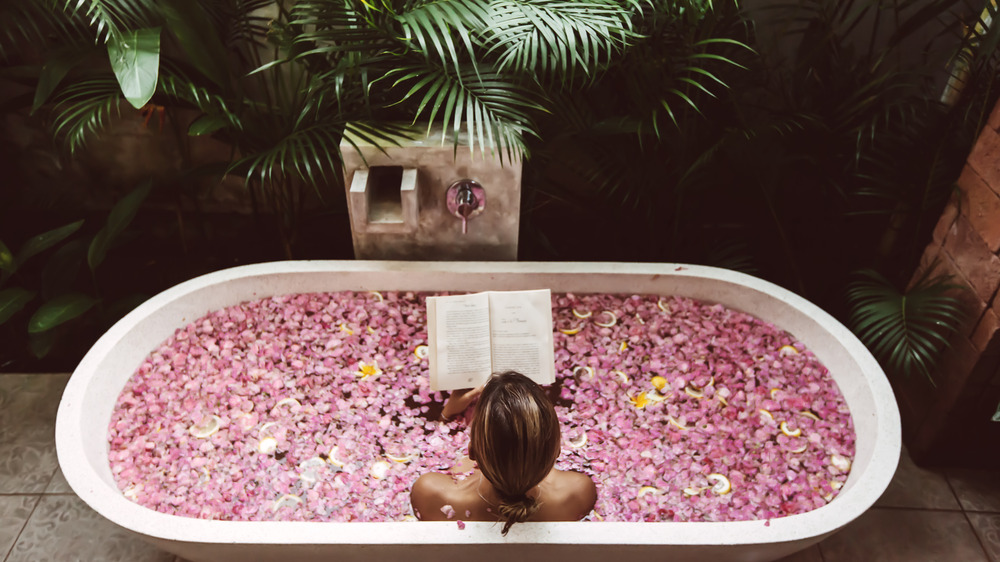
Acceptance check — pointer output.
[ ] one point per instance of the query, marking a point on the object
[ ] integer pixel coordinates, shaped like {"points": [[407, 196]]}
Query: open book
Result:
{"points": [[473, 336]]}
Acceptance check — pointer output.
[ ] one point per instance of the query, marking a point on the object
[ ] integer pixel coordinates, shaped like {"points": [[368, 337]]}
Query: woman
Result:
{"points": [[514, 439]]}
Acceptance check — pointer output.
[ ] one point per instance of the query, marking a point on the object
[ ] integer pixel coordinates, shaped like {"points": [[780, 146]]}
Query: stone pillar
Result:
{"points": [[950, 424]]}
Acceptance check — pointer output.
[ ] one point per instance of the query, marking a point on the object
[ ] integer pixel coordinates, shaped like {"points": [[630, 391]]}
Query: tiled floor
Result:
{"points": [[924, 516]]}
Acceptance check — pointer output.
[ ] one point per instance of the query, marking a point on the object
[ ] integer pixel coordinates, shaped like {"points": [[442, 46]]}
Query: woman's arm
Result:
{"points": [[459, 401]]}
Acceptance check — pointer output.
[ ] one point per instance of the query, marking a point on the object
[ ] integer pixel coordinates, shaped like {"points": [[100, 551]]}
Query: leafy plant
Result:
{"points": [[906, 330]]}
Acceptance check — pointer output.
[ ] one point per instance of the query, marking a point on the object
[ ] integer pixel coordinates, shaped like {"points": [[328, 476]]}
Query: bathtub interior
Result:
{"points": [[106, 368]]}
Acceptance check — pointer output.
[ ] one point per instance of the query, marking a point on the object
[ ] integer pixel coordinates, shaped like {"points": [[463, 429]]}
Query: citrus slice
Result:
{"points": [[404, 458], [787, 350], [571, 331], [648, 490], [840, 462], [263, 429], [663, 306], [379, 469], [287, 500], [774, 392], [332, 457], [585, 369], [722, 399], [132, 492], [578, 441], [790, 432], [654, 396], [623, 346], [800, 449], [766, 414], [409, 517], [421, 351], [639, 319], [659, 382], [720, 484], [677, 424], [692, 491], [694, 393], [206, 427], [621, 375], [308, 468], [609, 323], [287, 402], [267, 445], [809, 414], [378, 296], [346, 330], [581, 315], [371, 330]]}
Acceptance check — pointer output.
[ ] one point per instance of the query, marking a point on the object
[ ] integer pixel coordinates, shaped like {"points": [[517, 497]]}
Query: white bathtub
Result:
{"points": [[86, 406]]}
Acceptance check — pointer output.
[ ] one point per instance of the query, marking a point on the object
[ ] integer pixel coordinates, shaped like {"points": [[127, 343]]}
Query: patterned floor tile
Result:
{"points": [[64, 529], [26, 468], [14, 512], [891, 535], [811, 554], [987, 526], [28, 405], [913, 486], [977, 490], [58, 484]]}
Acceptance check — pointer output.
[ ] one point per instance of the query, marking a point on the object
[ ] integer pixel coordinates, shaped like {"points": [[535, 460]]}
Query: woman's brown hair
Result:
{"points": [[514, 438]]}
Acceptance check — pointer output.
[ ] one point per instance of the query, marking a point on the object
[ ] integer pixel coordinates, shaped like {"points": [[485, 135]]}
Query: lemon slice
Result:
{"points": [[287, 500], [692, 491], [579, 314], [289, 402], [659, 382], [663, 306], [654, 396], [840, 462], [623, 346], [648, 490], [578, 441], [677, 424], [639, 319], [371, 330], [774, 392], [378, 296], [766, 414], [720, 484], [346, 330], [267, 445], [132, 492], [332, 457], [308, 468], [263, 429], [379, 469], [787, 350], [609, 323], [206, 427], [790, 432], [571, 331], [421, 351], [693, 392], [404, 458], [722, 399], [409, 517], [800, 449], [585, 368], [809, 414], [621, 375]]}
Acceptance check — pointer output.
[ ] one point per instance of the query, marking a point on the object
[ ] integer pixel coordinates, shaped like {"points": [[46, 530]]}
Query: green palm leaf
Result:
{"points": [[84, 108], [114, 18], [494, 112], [907, 331]]}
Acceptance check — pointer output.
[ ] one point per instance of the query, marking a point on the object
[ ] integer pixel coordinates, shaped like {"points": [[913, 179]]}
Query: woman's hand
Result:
{"points": [[459, 400]]}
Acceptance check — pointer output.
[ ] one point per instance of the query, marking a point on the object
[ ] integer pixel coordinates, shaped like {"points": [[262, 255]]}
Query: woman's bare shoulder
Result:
{"points": [[431, 492], [575, 495]]}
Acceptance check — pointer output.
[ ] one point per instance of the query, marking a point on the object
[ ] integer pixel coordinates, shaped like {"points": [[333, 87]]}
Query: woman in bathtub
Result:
{"points": [[514, 441]]}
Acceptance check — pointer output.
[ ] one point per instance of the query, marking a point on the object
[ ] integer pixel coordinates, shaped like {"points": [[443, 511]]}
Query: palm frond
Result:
{"points": [[84, 108], [29, 24], [332, 27], [907, 331], [556, 37], [115, 17], [493, 111], [310, 153], [432, 27]]}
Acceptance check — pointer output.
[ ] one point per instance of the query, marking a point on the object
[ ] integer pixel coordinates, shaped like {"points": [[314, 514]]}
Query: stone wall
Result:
{"points": [[951, 421]]}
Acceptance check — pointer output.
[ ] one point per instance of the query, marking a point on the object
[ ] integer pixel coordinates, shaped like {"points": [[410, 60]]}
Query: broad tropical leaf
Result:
{"points": [[58, 311], [38, 244], [119, 218], [13, 300], [909, 330], [135, 58]]}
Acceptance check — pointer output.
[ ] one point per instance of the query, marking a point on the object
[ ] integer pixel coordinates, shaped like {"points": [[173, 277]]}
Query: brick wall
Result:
{"points": [[965, 244]]}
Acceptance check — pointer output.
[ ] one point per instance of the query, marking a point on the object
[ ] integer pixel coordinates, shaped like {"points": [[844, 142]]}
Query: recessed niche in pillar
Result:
{"points": [[385, 200]]}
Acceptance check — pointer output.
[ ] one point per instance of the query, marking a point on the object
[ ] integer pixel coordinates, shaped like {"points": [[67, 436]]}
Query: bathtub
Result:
{"points": [[86, 407]]}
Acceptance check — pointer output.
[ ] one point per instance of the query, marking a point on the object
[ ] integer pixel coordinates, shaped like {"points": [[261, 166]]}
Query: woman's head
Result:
{"points": [[514, 438]]}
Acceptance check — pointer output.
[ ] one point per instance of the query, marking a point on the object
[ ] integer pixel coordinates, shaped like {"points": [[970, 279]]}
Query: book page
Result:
{"points": [[458, 335], [521, 330]]}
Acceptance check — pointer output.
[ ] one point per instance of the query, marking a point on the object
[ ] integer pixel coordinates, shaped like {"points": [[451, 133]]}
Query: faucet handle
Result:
{"points": [[465, 199]]}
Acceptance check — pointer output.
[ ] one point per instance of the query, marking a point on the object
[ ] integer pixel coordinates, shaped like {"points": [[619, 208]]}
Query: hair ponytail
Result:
{"points": [[516, 510]]}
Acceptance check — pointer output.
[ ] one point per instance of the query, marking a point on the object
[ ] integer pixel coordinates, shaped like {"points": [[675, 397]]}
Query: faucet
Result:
{"points": [[466, 199]]}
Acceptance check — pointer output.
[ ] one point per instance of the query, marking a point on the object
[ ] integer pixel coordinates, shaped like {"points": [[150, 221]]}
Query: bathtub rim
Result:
{"points": [[820, 522]]}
